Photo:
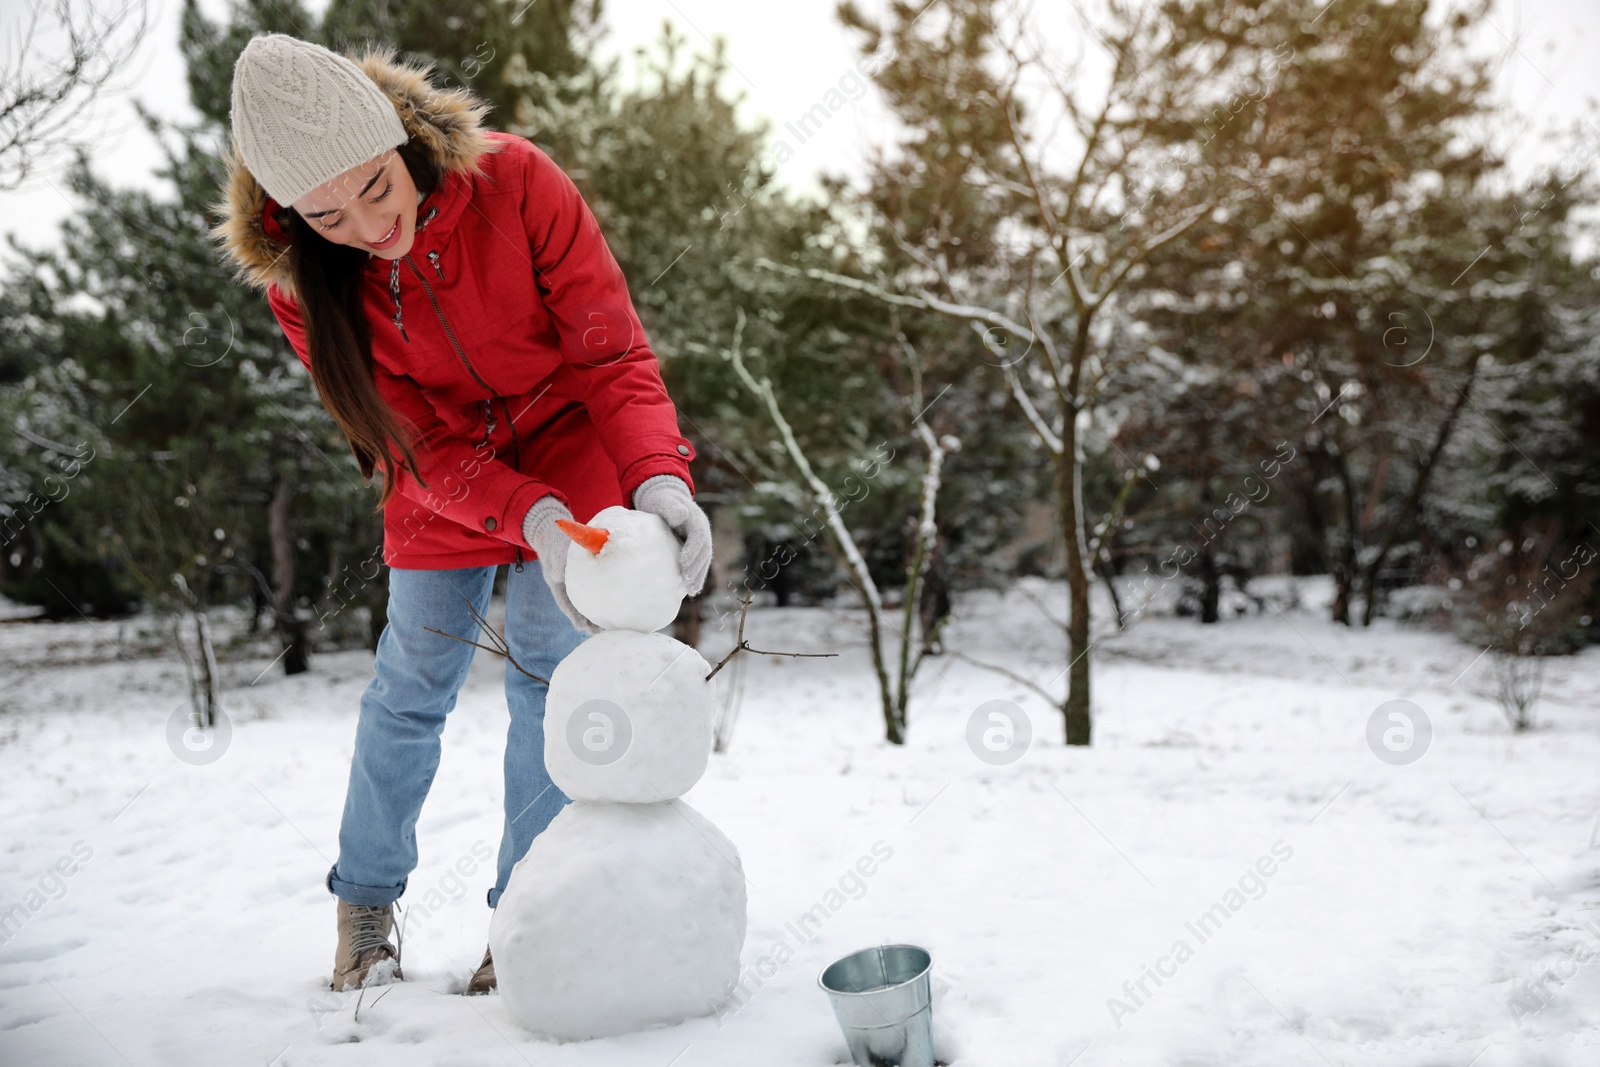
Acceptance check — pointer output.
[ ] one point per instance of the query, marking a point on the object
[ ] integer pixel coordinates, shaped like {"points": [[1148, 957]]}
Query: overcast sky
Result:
{"points": [[786, 57]]}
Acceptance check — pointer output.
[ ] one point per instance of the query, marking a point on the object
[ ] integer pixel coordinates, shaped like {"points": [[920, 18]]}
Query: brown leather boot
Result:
{"points": [[365, 955], [482, 978]]}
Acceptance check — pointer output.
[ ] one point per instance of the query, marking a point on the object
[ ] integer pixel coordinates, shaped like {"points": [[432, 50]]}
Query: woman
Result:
{"points": [[466, 326]]}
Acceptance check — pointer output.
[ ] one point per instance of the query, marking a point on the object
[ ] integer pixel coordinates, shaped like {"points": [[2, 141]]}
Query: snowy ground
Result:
{"points": [[1406, 911]]}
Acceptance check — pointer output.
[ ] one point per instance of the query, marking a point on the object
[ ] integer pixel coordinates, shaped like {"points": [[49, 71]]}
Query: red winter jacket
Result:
{"points": [[505, 335]]}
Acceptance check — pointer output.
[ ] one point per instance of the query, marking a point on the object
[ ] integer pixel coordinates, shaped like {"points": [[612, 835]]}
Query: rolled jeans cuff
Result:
{"points": [[353, 893]]}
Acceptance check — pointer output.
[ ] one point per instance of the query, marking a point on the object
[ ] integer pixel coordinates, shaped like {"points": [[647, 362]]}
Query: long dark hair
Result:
{"points": [[327, 284]]}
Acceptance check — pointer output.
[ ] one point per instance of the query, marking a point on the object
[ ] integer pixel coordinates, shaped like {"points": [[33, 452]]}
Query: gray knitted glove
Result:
{"points": [[668, 495], [540, 529]]}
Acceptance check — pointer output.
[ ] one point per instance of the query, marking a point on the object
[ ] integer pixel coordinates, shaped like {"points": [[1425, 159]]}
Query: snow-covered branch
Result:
{"points": [[762, 389], [925, 301], [1050, 439]]}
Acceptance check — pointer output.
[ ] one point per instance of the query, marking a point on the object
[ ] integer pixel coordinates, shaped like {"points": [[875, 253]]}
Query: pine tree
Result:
{"points": [[216, 474]]}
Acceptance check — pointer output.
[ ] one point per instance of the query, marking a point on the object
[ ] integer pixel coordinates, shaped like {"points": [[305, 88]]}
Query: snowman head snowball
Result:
{"points": [[626, 576]]}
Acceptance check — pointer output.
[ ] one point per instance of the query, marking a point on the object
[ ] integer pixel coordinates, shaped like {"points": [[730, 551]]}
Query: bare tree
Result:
{"points": [[200, 663], [57, 58], [893, 689], [1524, 599], [1064, 222]]}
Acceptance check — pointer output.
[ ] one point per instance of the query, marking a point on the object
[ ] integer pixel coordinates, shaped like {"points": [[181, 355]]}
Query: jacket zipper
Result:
{"points": [[488, 410], [437, 310]]}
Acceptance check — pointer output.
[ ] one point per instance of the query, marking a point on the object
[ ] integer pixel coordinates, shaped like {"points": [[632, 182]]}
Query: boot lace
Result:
{"points": [[366, 927]]}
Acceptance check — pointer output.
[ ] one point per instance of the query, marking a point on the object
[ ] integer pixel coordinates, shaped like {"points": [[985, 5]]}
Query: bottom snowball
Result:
{"points": [[619, 917]]}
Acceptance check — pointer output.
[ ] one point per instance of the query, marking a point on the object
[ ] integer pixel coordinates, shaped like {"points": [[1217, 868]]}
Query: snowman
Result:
{"points": [[628, 911]]}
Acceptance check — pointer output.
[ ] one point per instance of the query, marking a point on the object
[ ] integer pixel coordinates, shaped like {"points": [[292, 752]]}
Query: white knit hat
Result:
{"points": [[302, 115]]}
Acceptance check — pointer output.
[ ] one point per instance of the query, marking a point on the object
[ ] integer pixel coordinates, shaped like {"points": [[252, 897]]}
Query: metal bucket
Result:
{"points": [[881, 998]]}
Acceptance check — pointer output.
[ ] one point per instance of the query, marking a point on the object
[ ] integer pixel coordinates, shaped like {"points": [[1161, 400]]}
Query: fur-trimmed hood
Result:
{"points": [[447, 123]]}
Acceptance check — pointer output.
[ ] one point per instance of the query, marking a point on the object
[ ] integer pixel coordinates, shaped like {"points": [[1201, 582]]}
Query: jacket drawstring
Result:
{"points": [[516, 459], [488, 424], [394, 294], [516, 448], [394, 277]]}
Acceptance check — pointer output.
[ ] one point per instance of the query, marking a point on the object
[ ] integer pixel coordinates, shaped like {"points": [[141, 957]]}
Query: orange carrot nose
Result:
{"points": [[591, 537]]}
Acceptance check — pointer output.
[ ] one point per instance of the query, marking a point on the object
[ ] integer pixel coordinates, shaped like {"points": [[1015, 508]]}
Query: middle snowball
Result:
{"points": [[629, 719]]}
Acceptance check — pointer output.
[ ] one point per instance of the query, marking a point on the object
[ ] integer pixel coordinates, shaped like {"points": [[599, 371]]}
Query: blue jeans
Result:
{"points": [[414, 684]]}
